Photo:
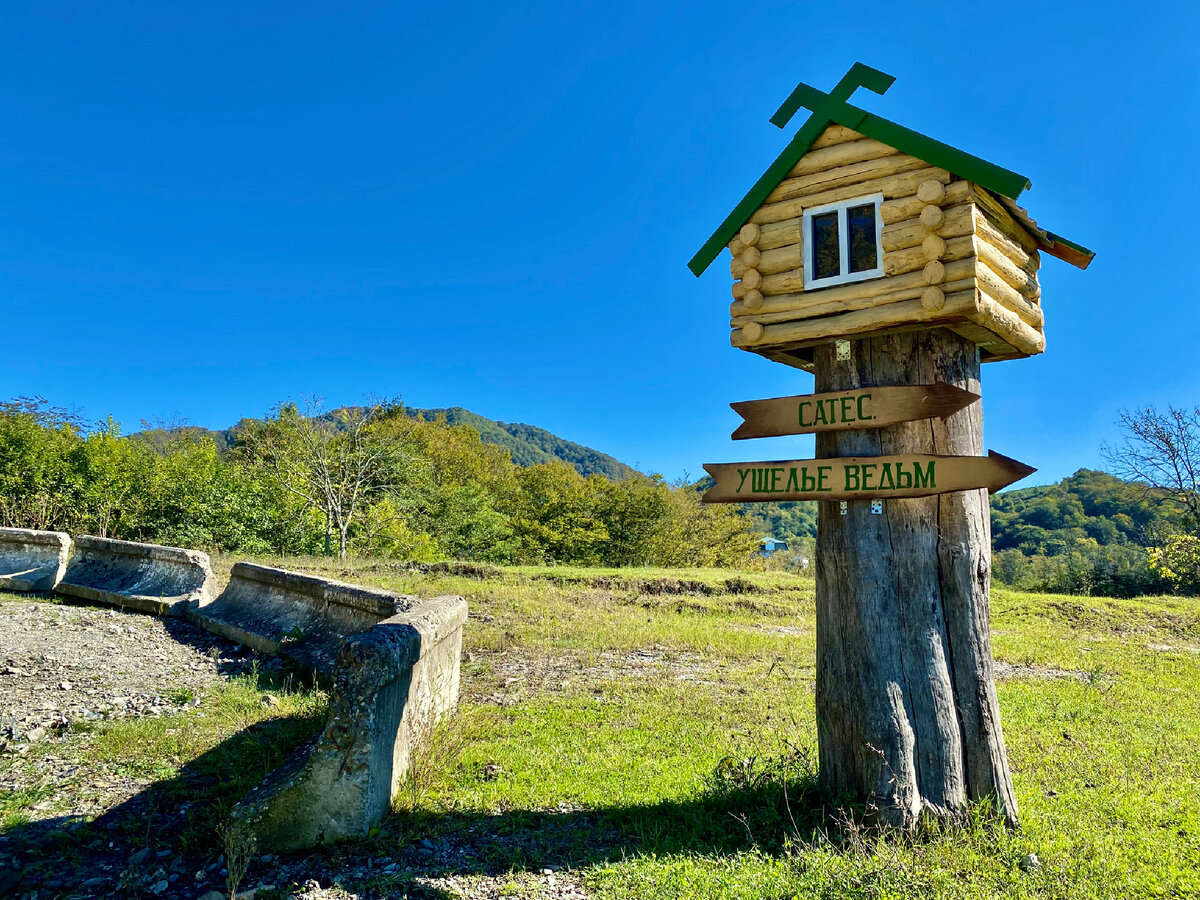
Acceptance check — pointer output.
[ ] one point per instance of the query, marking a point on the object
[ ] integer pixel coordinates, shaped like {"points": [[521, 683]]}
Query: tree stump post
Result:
{"points": [[907, 719]]}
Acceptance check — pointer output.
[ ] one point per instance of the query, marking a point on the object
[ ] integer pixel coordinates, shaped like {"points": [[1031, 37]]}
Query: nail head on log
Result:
{"points": [[749, 234], [752, 300], [933, 298], [752, 332], [935, 273], [930, 191], [934, 247], [932, 217]]}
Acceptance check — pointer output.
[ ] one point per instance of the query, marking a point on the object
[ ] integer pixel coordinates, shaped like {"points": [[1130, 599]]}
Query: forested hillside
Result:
{"points": [[529, 445], [440, 489], [361, 480], [1090, 533]]}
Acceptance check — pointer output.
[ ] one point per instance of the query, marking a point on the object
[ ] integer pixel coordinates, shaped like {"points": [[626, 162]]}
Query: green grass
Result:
{"points": [[598, 706], [1102, 727]]}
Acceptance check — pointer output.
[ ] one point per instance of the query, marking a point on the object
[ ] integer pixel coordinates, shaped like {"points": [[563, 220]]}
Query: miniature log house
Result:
{"points": [[864, 227]]}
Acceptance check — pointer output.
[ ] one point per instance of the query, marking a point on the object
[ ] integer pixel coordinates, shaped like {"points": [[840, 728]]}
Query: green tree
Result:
{"points": [[335, 462]]}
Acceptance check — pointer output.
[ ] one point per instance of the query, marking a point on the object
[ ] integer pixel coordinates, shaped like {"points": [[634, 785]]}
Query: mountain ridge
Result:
{"points": [[529, 445]]}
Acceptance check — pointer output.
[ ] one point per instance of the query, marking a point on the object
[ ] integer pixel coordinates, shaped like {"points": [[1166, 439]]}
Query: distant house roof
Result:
{"points": [[832, 108]]}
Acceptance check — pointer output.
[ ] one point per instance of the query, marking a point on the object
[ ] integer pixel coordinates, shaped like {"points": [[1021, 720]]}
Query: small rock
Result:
{"points": [[159, 886], [212, 895], [1029, 862], [64, 685], [270, 700], [138, 858]]}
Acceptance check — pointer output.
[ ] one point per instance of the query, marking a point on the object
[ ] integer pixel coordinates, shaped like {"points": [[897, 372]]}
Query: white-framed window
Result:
{"points": [[842, 242]]}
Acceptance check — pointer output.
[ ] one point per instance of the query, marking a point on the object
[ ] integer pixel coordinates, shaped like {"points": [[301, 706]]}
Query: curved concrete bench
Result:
{"points": [[299, 617], [391, 685], [32, 560], [166, 581]]}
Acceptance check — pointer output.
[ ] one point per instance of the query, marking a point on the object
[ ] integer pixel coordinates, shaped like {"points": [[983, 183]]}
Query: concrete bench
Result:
{"points": [[166, 581], [299, 617], [391, 685], [32, 560]]}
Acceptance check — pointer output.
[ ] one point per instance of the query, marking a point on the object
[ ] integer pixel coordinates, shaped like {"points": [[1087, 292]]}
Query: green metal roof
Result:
{"points": [[832, 108]]}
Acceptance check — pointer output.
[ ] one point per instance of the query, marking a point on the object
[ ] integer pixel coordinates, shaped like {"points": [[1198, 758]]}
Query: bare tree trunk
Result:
{"points": [[906, 706]]}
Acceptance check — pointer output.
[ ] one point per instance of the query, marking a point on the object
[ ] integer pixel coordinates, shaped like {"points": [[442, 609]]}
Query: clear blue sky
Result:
{"points": [[208, 208]]}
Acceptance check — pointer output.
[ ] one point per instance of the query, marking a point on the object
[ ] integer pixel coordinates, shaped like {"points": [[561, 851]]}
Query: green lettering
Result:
{"points": [[886, 482], [847, 409], [810, 483], [800, 414], [851, 477], [758, 481], [823, 478], [868, 469], [820, 418], [742, 473], [903, 478], [792, 483], [861, 415], [775, 473], [927, 480]]}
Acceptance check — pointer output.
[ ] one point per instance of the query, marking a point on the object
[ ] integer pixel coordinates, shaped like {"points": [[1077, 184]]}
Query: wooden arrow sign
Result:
{"points": [[861, 477], [862, 408]]}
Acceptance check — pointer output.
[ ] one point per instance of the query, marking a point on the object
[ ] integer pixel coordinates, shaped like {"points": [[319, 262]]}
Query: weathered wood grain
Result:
{"points": [[907, 718]]}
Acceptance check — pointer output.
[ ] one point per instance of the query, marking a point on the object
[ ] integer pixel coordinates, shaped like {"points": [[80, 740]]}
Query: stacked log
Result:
{"points": [[947, 244]]}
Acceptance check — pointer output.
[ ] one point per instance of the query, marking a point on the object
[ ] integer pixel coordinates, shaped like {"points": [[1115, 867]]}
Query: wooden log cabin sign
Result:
{"points": [[886, 262], [860, 477], [862, 408]]}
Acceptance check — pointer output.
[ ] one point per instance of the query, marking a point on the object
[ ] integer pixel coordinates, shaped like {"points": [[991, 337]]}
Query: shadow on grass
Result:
{"points": [[175, 821]]}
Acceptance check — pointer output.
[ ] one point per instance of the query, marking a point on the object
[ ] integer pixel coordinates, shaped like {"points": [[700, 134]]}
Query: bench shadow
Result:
{"points": [[168, 831], [174, 821]]}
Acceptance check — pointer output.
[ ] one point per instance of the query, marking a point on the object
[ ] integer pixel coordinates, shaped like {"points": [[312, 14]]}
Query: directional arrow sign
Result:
{"points": [[860, 477], [862, 408]]}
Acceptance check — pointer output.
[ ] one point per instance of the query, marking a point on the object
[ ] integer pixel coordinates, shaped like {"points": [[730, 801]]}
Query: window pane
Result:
{"points": [[864, 255], [826, 252]]}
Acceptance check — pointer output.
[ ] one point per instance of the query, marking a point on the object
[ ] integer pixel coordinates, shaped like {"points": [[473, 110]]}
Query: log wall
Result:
{"points": [[952, 256]]}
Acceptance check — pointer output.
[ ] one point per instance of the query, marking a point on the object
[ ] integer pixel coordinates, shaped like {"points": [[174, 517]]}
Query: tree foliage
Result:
{"points": [[1088, 534], [382, 481]]}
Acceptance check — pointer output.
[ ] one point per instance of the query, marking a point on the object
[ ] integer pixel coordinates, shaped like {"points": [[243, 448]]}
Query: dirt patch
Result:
{"points": [[658, 587], [514, 675], [1122, 621], [1020, 670], [790, 630]]}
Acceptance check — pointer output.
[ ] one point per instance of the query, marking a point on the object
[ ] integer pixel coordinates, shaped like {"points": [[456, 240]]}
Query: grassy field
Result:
{"points": [[653, 732]]}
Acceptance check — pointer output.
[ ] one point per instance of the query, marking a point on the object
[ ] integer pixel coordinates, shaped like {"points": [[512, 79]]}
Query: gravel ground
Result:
{"points": [[63, 664], [66, 663]]}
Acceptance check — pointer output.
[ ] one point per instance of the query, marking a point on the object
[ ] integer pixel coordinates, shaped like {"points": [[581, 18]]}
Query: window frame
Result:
{"points": [[845, 276]]}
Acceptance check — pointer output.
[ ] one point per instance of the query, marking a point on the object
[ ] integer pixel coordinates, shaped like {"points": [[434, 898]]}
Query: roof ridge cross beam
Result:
{"points": [[833, 108], [823, 105]]}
